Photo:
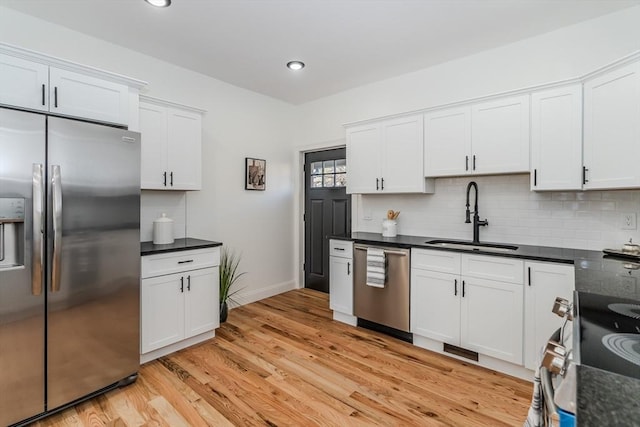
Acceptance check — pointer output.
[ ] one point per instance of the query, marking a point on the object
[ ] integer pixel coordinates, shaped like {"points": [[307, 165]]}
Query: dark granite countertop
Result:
{"points": [[148, 248], [604, 398]]}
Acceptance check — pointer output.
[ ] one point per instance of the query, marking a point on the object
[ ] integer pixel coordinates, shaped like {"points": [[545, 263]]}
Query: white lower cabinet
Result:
{"points": [[545, 281], [341, 277], [481, 314], [178, 306]]}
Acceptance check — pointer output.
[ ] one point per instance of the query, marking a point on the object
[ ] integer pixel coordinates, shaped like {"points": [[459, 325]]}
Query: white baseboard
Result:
{"points": [[345, 318], [242, 298], [152, 355], [483, 360]]}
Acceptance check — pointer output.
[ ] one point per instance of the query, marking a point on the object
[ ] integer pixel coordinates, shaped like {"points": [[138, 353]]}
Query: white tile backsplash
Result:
{"points": [[572, 219], [154, 203]]}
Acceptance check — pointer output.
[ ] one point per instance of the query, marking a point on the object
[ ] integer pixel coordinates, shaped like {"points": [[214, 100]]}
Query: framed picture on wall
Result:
{"points": [[255, 174]]}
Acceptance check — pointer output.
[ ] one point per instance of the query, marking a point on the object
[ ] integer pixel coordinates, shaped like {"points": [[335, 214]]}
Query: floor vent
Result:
{"points": [[462, 352]]}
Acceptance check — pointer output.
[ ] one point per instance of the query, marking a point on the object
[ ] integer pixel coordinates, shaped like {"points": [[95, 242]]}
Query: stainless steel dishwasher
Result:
{"points": [[388, 306]]}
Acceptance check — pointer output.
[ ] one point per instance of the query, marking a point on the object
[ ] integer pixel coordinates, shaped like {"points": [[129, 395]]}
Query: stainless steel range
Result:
{"points": [[608, 333]]}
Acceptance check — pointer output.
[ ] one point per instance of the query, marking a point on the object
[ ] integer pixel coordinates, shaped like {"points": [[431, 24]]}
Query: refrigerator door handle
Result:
{"points": [[56, 195], [37, 269]]}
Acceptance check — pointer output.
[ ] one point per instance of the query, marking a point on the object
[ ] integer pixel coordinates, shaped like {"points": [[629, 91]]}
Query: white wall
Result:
{"points": [[573, 219], [238, 124]]}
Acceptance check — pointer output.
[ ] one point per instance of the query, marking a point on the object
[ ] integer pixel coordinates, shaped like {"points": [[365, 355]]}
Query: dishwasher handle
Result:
{"points": [[386, 252]]}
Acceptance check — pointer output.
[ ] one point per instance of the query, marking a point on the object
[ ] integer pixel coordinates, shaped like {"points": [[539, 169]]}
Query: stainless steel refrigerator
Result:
{"points": [[69, 262]]}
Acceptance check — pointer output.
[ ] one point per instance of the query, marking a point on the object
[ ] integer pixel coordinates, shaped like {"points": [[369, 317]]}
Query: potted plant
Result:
{"points": [[229, 262]]}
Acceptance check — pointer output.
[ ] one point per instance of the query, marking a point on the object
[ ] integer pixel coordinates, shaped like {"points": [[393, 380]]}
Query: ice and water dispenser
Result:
{"points": [[11, 232]]}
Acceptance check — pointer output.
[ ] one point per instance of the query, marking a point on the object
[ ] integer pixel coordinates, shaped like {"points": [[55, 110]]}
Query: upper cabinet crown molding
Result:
{"points": [[625, 60], [164, 103], [45, 59]]}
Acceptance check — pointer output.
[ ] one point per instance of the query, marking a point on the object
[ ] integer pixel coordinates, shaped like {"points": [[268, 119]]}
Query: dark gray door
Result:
{"points": [[327, 212]]}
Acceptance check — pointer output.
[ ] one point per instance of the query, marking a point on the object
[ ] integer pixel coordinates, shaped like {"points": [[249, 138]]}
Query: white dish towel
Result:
{"points": [[376, 270]]}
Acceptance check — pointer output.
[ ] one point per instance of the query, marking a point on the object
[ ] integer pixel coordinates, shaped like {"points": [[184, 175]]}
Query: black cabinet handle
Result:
{"points": [[455, 287], [188, 283], [55, 96], [382, 181], [164, 179], [463, 290], [535, 177], [171, 174], [474, 162], [182, 284], [529, 274], [348, 268], [43, 94], [584, 175], [377, 184], [466, 163], [185, 262]]}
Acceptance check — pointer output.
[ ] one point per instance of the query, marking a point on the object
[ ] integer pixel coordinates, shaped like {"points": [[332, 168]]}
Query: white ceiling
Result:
{"points": [[345, 43]]}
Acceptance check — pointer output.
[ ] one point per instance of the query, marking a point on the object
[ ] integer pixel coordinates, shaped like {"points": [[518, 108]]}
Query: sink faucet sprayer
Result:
{"points": [[476, 218]]}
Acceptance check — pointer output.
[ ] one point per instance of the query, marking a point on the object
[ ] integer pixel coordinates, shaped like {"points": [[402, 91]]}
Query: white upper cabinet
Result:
{"points": [[363, 158], [42, 83], [24, 83], [500, 136], [78, 95], [612, 129], [483, 138], [171, 146], [386, 157], [447, 142], [556, 139]]}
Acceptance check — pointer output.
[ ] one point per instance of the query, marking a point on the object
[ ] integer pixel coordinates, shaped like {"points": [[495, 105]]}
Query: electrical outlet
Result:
{"points": [[628, 221]]}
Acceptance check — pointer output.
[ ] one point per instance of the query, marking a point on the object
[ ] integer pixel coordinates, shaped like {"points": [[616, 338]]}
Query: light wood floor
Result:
{"points": [[284, 362]]}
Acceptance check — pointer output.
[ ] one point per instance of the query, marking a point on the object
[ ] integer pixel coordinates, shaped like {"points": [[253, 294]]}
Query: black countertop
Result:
{"points": [[186, 244], [604, 398]]}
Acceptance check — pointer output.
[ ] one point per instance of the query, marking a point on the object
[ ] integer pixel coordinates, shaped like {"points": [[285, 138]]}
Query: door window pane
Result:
{"points": [[329, 174], [316, 168]]}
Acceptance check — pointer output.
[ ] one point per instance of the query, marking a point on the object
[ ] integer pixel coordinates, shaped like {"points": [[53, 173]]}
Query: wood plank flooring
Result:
{"points": [[283, 361]]}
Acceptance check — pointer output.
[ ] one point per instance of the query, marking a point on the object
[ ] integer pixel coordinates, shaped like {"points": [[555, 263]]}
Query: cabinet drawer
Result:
{"points": [[442, 261], [341, 248], [175, 262], [493, 268]]}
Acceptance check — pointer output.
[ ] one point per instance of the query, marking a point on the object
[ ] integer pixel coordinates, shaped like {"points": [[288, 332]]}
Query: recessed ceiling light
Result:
{"points": [[295, 65], [159, 3]]}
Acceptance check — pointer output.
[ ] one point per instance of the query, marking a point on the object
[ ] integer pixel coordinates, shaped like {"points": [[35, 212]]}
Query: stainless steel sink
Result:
{"points": [[470, 246]]}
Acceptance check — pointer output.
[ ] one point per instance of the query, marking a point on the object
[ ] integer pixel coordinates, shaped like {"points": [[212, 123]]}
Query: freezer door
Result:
{"points": [[94, 263], [22, 308]]}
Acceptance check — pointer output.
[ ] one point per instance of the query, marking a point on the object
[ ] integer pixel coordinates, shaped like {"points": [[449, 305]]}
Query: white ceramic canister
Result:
{"points": [[163, 230], [389, 228]]}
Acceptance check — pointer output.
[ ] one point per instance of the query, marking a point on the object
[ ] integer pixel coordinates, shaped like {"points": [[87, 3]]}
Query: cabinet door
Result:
{"points": [[500, 136], [447, 142], [153, 151], [556, 139], [24, 83], [402, 155], [341, 285], [612, 129], [435, 305], [162, 312], [184, 133], [202, 302], [492, 318], [545, 282], [363, 159], [79, 95]]}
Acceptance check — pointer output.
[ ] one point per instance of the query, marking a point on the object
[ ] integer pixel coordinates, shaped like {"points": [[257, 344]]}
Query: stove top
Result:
{"points": [[609, 333]]}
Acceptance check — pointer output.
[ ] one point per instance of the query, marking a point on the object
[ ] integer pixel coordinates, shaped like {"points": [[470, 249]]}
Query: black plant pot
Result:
{"points": [[224, 312]]}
